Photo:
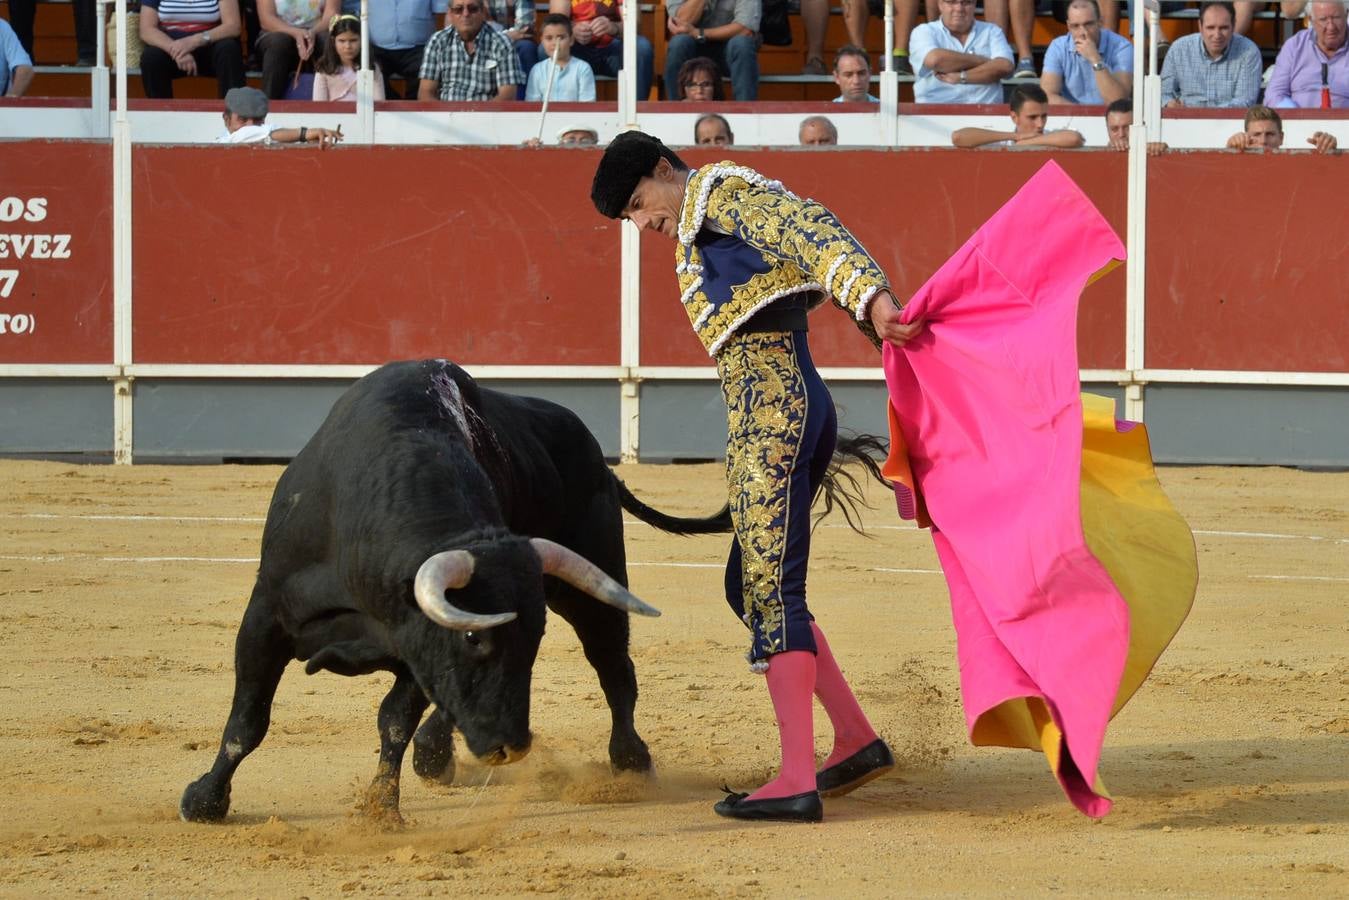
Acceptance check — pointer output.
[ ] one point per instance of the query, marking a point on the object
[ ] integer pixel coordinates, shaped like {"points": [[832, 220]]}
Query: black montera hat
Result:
{"points": [[628, 159]]}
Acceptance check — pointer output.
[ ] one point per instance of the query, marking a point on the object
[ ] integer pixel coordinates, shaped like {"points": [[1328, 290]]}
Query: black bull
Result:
{"points": [[404, 537]]}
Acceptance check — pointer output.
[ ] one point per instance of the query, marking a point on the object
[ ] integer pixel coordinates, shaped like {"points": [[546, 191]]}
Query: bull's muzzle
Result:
{"points": [[505, 755]]}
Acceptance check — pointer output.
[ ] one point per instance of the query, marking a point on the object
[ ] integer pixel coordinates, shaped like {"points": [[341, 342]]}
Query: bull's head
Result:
{"points": [[484, 682]]}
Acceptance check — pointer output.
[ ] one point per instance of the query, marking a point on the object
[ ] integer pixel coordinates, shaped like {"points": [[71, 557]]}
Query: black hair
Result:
{"points": [[628, 159], [1230, 7], [556, 19], [1122, 105], [850, 50], [1023, 92], [693, 67], [330, 63]]}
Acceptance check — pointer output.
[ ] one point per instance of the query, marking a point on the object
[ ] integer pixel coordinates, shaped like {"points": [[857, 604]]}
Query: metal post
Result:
{"points": [[121, 255], [630, 331], [627, 82], [365, 84], [889, 106], [1136, 236], [99, 88]]}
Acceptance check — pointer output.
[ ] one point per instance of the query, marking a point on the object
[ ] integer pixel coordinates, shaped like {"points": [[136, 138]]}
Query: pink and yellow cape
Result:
{"points": [[1068, 569]]}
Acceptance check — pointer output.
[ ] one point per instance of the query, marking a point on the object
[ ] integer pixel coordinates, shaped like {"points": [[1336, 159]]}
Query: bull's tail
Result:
{"points": [[841, 488], [720, 523]]}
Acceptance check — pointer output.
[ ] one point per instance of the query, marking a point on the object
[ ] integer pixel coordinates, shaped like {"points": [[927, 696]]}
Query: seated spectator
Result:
{"points": [[817, 131], [22, 14], [294, 33], [520, 30], [469, 61], [725, 31], [852, 74], [1088, 64], [713, 129], [1119, 118], [245, 123], [856, 15], [573, 81], [335, 72], [597, 28], [1214, 68], [1016, 18], [1312, 70], [699, 80], [16, 67], [959, 60], [1263, 130], [399, 30], [1030, 114], [192, 37]]}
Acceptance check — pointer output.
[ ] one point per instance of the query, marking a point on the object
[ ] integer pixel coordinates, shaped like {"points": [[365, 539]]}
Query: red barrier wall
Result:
{"points": [[494, 256], [55, 252], [365, 254], [1247, 261]]}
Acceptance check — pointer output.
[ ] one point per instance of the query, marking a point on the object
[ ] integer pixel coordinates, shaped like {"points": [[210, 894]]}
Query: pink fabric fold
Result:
{"points": [[987, 402]]}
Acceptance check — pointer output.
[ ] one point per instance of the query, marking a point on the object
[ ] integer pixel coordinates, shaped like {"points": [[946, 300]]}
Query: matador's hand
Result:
{"points": [[885, 314]]}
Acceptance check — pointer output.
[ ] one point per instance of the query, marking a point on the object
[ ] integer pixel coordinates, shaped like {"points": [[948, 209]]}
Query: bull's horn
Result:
{"points": [[447, 571], [584, 575]]}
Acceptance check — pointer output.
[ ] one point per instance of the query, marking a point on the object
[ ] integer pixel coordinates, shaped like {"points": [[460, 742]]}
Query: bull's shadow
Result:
{"points": [[423, 531]]}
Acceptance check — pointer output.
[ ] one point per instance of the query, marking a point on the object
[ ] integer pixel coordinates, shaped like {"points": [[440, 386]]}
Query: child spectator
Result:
{"points": [[335, 72], [574, 80]]}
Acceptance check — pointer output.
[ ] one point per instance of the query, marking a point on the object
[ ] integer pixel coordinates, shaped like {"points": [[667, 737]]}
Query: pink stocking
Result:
{"points": [[852, 730], [791, 676]]}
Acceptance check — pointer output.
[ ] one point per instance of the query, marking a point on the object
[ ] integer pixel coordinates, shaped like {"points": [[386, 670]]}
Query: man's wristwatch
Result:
{"points": [[702, 38], [964, 76], [1098, 66], [205, 38], [304, 135]]}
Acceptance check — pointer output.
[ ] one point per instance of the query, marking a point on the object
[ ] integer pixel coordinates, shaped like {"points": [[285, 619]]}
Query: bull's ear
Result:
{"points": [[582, 574], [450, 570]]}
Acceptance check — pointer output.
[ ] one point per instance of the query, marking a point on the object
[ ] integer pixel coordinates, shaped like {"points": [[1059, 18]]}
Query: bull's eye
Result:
{"points": [[471, 638]]}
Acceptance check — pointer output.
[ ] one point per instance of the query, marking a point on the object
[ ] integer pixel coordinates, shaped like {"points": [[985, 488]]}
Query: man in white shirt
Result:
{"points": [[245, 116], [959, 60], [1030, 115]]}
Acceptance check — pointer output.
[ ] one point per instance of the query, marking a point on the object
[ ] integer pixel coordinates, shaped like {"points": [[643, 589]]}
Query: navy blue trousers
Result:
{"points": [[781, 436]]}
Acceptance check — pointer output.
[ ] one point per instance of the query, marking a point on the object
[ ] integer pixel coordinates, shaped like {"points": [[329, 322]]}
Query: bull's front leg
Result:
{"points": [[261, 653], [603, 631], [399, 714]]}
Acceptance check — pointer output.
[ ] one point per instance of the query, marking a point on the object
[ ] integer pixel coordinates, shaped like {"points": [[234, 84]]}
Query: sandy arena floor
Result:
{"points": [[121, 589]]}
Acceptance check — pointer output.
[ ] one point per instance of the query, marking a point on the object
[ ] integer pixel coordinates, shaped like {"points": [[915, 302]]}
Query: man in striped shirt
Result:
{"points": [[190, 37], [469, 61]]}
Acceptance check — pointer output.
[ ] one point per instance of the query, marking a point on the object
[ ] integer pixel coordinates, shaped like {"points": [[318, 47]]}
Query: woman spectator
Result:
{"points": [[190, 37], [294, 32], [700, 81]]}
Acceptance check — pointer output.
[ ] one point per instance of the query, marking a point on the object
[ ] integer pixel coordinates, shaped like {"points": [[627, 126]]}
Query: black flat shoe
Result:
{"points": [[796, 808], [872, 761]]}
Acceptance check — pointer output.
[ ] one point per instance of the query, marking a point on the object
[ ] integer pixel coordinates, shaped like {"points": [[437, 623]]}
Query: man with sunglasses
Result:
{"points": [[468, 61]]}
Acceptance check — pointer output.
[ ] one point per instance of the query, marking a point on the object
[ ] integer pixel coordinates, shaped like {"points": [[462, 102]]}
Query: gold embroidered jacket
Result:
{"points": [[774, 245]]}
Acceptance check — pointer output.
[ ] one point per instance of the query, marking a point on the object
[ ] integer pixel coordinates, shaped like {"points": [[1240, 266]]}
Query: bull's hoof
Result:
{"points": [[380, 803], [203, 803], [630, 755], [434, 763]]}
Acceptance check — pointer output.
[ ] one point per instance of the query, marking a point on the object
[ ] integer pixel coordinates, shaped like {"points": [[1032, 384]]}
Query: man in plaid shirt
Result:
{"points": [[1214, 67], [468, 61]]}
